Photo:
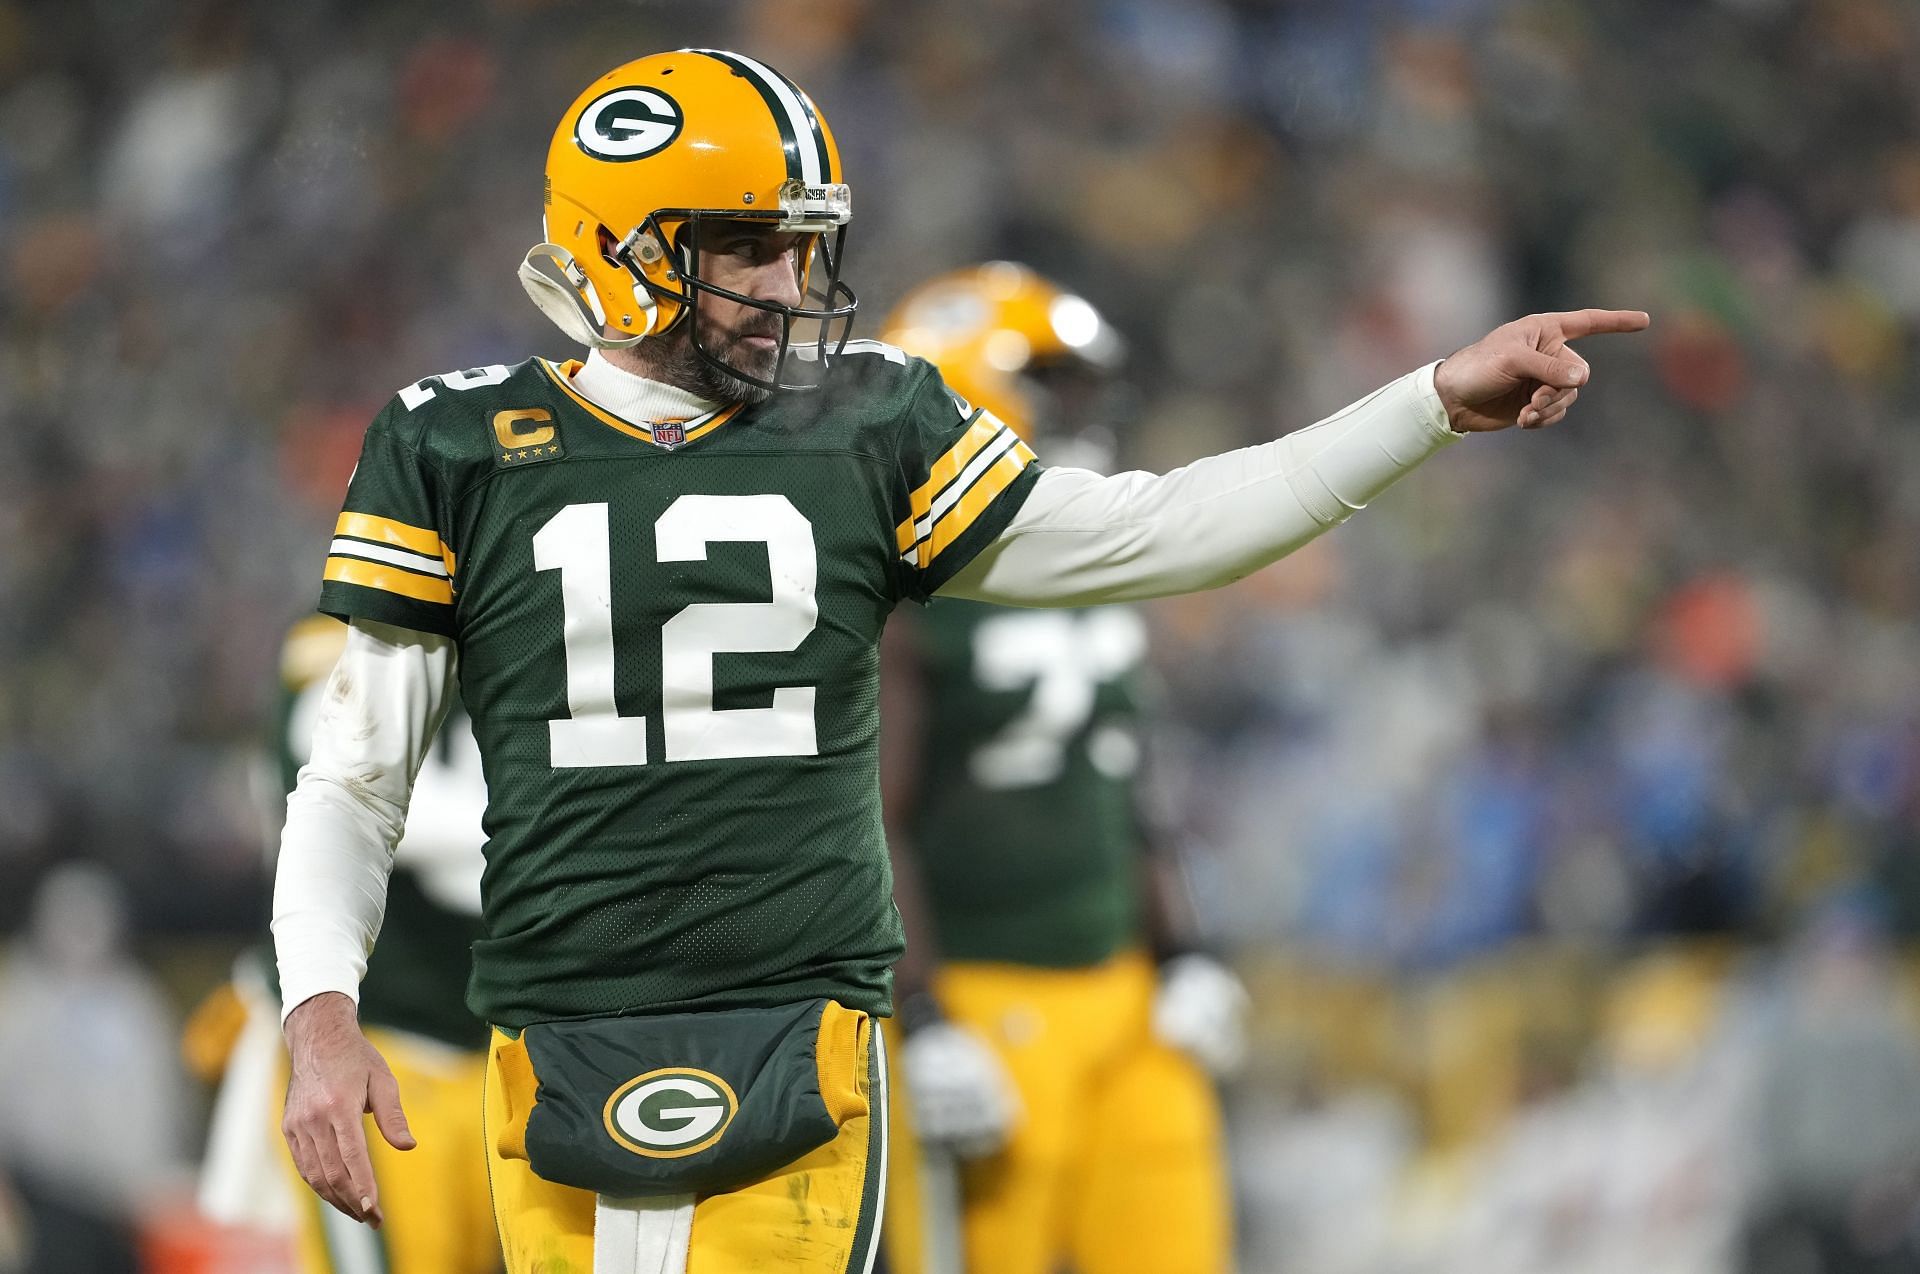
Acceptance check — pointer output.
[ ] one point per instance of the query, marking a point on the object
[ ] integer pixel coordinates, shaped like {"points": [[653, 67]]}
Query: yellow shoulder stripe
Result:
{"points": [[996, 479], [351, 570], [922, 537], [365, 526], [949, 465]]}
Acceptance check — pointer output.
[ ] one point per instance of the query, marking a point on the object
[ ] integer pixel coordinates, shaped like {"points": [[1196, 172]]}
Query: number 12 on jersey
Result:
{"points": [[575, 543]]}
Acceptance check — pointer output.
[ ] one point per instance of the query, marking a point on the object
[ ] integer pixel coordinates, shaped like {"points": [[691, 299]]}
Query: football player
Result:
{"points": [[661, 576], [412, 1006], [1060, 1025]]}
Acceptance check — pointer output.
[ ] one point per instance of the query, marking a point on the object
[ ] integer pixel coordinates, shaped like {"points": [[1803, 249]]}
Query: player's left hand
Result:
{"points": [[1522, 373], [1201, 1009]]}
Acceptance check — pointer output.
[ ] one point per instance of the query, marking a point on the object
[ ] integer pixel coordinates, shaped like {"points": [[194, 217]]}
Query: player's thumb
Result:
{"points": [[1562, 372], [383, 1099]]}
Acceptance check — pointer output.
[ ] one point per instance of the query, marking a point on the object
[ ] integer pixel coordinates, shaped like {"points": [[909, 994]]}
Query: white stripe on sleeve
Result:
{"points": [[386, 553]]}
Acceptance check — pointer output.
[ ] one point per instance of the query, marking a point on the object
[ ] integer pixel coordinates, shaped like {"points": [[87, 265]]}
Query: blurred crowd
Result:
{"points": [[1584, 769]]}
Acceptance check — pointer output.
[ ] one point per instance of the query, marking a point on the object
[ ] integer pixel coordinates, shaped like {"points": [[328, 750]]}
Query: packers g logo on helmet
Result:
{"points": [[628, 123], [661, 148], [670, 1113]]}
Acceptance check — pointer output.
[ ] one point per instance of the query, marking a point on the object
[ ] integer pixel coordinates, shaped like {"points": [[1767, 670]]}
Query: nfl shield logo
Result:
{"points": [[670, 434]]}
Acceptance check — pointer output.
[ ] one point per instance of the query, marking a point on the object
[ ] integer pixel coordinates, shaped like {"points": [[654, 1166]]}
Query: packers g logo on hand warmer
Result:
{"points": [[628, 123], [670, 1113]]}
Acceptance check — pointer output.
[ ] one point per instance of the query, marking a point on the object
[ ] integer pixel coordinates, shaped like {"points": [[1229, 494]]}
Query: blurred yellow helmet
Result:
{"points": [[989, 328], [657, 148]]}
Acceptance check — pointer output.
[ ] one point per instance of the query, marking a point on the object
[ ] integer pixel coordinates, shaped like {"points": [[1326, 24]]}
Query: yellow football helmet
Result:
{"points": [[996, 331], [651, 151]]}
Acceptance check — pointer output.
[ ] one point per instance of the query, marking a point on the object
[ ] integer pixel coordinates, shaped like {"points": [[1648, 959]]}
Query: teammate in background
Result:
{"points": [[412, 1004], [662, 576], [1060, 1026]]}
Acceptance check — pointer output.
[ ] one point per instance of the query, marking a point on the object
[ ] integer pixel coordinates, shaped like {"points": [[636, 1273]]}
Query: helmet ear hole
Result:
{"points": [[609, 246]]}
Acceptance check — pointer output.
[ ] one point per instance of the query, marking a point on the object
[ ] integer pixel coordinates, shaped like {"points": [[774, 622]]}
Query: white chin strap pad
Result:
{"points": [[556, 284]]}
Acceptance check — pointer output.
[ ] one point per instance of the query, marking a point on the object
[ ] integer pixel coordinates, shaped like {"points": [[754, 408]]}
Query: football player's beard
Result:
{"points": [[761, 364], [678, 363]]}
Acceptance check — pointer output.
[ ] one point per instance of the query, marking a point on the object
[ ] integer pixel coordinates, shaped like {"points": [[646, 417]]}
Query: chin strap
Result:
{"points": [[557, 284]]}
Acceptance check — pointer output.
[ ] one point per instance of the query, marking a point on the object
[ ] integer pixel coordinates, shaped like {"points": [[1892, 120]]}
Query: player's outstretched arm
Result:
{"points": [[1082, 539]]}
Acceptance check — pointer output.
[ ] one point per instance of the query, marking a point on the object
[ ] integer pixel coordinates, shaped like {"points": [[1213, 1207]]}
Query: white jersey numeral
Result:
{"points": [[422, 390], [892, 353], [574, 542], [695, 731], [1064, 657]]}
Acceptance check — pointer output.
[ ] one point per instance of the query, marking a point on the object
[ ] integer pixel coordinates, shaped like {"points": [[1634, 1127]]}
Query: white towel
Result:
{"points": [[241, 1180], [642, 1236]]}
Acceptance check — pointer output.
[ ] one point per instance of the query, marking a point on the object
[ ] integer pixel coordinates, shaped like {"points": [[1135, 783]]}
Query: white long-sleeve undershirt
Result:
{"points": [[1079, 538], [1082, 539], [383, 702]]}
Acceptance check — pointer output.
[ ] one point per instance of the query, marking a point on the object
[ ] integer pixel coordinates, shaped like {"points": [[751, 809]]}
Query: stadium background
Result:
{"points": [[1561, 810]]}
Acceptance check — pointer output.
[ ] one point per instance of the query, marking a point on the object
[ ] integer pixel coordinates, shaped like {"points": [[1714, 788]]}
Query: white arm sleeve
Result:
{"points": [[383, 702], [1082, 539], [445, 836]]}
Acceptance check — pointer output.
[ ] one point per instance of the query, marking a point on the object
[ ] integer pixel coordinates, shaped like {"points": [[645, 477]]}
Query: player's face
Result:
{"points": [[759, 262]]}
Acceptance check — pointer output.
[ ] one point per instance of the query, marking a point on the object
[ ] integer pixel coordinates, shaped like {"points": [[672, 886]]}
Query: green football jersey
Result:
{"points": [[1025, 827], [416, 978], [668, 645]]}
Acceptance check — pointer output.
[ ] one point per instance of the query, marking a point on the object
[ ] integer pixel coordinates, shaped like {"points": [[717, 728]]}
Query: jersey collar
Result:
{"points": [[637, 406]]}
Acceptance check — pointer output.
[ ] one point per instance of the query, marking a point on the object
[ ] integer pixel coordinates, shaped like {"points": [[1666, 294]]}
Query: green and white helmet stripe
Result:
{"points": [[805, 141]]}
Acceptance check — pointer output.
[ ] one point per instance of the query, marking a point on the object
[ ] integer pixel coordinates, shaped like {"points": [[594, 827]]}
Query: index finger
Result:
{"points": [[1574, 324]]}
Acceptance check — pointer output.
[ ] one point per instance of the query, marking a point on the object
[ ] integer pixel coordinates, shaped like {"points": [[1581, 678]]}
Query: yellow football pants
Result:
{"points": [[818, 1215], [438, 1219], [1117, 1165]]}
